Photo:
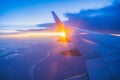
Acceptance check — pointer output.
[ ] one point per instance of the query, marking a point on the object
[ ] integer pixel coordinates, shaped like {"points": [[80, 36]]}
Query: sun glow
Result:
{"points": [[34, 34]]}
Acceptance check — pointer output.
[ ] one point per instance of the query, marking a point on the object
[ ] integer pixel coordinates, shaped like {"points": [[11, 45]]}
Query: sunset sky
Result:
{"points": [[31, 12], [27, 14]]}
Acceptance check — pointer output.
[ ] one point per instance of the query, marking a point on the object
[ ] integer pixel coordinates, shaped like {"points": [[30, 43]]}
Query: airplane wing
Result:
{"points": [[61, 28], [101, 51], [59, 24]]}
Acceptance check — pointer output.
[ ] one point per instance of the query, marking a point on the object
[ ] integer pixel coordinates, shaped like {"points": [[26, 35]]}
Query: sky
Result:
{"points": [[32, 12]]}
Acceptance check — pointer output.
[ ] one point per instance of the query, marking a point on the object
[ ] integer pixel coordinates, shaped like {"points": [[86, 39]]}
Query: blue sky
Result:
{"points": [[32, 12]]}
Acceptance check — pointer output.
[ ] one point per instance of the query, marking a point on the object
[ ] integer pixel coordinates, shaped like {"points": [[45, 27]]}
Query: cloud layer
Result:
{"points": [[104, 19]]}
